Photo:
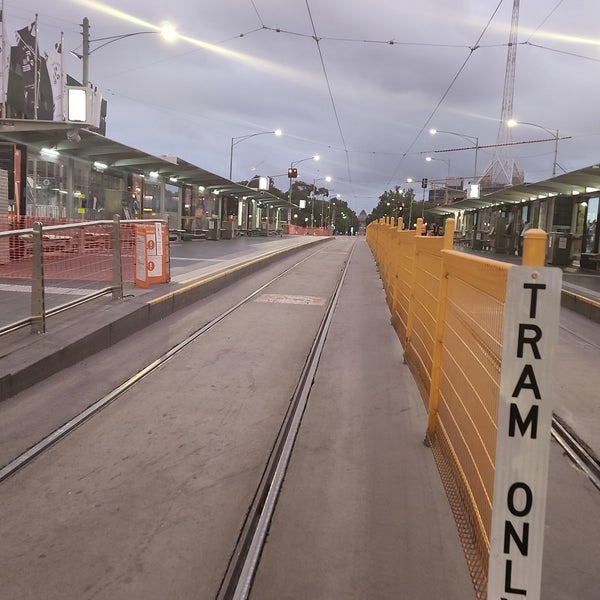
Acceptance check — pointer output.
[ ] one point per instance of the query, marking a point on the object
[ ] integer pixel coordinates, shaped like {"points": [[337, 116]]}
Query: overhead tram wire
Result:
{"points": [[544, 20], [328, 82], [573, 54], [445, 94]]}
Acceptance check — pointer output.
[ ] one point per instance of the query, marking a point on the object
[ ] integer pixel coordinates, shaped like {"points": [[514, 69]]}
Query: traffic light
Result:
{"points": [[292, 172], [424, 182]]}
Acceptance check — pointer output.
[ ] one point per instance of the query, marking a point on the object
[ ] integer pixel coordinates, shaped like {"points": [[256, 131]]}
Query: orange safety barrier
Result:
{"points": [[297, 230], [70, 253], [448, 309]]}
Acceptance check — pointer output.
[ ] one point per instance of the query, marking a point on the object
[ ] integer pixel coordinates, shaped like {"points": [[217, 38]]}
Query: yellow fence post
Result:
{"points": [[419, 227], [436, 367], [449, 227], [534, 248]]}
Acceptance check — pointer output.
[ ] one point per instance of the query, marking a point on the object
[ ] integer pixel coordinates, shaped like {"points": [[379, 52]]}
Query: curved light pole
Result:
{"points": [[473, 140], [552, 132], [292, 165], [168, 32], [237, 140], [312, 204], [447, 161]]}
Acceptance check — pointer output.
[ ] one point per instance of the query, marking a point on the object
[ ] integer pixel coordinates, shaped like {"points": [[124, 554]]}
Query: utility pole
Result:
{"points": [[85, 57]]}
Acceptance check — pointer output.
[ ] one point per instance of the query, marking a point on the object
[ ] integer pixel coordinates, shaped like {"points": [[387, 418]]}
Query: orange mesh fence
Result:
{"points": [[73, 254], [77, 259], [447, 308]]}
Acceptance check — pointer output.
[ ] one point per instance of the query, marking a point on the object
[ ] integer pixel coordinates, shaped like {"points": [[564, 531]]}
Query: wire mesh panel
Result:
{"points": [[78, 254], [424, 306], [463, 432], [402, 282], [78, 261]]}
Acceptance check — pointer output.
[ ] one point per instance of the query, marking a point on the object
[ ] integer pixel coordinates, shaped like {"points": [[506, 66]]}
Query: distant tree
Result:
{"points": [[394, 203]]}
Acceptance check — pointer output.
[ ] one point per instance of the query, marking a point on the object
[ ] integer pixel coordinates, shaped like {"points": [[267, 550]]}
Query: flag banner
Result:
{"points": [[55, 72], [4, 60], [22, 83], [25, 56]]}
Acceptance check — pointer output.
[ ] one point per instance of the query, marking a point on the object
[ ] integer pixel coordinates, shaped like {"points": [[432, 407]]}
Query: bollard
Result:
{"points": [[117, 272], [534, 248], [400, 224], [38, 305]]}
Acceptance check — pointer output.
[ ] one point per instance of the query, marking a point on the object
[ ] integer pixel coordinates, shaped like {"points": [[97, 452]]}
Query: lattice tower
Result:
{"points": [[502, 170]]}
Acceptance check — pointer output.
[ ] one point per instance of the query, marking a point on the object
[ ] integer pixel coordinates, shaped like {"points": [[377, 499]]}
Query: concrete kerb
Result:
{"points": [[73, 336], [580, 304]]}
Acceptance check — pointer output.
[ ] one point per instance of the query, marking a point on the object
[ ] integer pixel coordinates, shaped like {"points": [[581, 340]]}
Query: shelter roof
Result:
{"points": [[88, 146]]}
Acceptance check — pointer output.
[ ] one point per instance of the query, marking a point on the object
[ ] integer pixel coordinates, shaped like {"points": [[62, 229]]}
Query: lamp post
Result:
{"points": [[312, 204], [237, 140], [447, 161], [473, 140], [167, 32], [292, 165], [552, 132], [410, 180]]}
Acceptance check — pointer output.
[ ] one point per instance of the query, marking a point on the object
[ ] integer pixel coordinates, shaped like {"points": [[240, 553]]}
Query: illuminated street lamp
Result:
{"points": [[292, 170], [553, 133], [168, 32], [473, 140], [237, 140], [447, 161]]}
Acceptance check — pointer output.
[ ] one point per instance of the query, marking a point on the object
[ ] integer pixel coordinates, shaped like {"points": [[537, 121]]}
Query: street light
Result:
{"points": [[473, 140], [168, 32], [292, 165], [447, 161], [312, 204], [237, 140], [553, 133]]}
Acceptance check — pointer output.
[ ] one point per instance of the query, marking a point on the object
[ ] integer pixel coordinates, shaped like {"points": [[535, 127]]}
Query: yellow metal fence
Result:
{"points": [[447, 308]]}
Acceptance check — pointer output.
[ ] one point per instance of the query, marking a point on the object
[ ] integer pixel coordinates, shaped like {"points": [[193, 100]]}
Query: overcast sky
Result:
{"points": [[361, 103]]}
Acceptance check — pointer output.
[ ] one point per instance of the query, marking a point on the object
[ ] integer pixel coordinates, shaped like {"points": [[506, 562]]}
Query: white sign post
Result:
{"points": [[531, 314]]}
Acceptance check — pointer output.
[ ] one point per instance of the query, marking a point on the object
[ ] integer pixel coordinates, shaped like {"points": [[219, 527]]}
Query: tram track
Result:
{"points": [[52, 438], [240, 570], [238, 579], [576, 450]]}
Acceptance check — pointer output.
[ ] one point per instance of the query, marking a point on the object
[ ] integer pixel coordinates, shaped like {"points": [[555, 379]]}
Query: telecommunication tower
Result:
{"points": [[502, 170]]}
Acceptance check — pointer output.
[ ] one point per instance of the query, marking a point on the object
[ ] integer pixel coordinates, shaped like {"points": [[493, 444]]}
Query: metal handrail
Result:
{"points": [[39, 313]]}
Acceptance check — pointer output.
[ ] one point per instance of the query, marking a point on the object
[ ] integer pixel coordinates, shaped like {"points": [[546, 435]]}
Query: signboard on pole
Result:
{"points": [[150, 254], [531, 314]]}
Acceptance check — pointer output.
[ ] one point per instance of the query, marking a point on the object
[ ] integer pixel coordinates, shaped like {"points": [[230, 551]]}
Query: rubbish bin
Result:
{"points": [[559, 248], [228, 230], [213, 232]]}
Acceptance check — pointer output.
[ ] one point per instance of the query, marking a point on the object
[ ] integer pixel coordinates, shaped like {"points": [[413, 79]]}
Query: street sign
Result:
{"points": [[531, 314]]}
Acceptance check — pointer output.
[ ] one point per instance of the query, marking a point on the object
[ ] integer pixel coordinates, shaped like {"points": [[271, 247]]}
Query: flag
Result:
{"points": [[26, 50], [54, 63], [4, 62]]}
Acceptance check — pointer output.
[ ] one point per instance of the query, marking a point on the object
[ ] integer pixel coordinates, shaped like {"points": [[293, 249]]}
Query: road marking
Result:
{"points": [[26, 289], [287, 299]]}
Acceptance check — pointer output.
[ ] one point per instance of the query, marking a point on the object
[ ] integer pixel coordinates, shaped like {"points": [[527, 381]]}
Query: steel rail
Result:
{"points": [[241, 570], [20, 461], [576, 450]]}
